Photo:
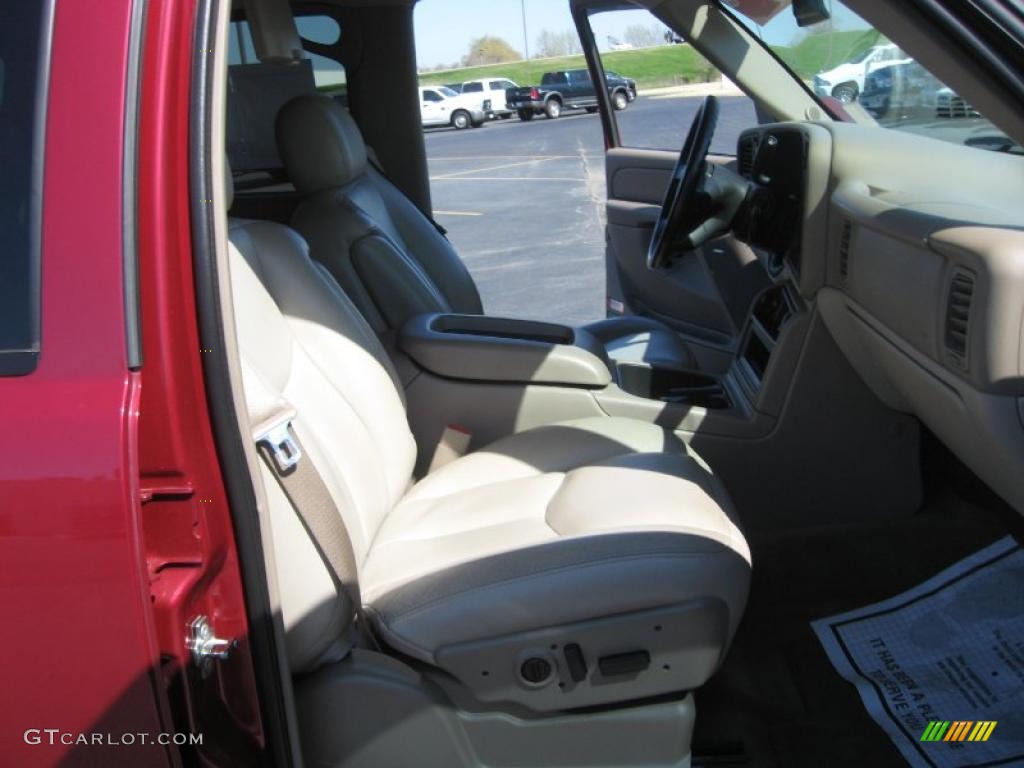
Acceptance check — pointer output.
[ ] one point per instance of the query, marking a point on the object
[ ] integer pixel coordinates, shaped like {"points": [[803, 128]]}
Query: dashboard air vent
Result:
{"points": [[747, 153], [844, 250], [958, 316]]}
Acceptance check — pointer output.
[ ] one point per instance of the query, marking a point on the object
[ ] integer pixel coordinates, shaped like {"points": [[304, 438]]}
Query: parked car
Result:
{"points": [[614, 44], [900, 91], [568, 89], [951, 105], [908, 91], [494, 89], [440, 105], [846, 82]]}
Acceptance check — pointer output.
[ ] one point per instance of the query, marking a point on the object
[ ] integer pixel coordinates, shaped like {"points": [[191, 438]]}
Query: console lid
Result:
{"points": [[481, 348]]}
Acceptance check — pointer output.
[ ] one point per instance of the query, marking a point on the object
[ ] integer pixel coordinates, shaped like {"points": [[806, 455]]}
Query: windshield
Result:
{"points": [[861, 56], [445, 91], [846, 60]]}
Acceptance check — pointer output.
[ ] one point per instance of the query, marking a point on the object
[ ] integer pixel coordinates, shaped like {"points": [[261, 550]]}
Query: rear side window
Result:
{"points": [[24, 66], [473, 88]]}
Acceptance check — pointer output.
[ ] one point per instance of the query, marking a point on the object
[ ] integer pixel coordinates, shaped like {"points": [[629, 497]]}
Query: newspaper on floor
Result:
{"points": [[941, 667]]}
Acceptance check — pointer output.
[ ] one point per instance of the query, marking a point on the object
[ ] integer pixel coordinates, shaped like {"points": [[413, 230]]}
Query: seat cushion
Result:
{"points": [[562, 523], [636, 339]]}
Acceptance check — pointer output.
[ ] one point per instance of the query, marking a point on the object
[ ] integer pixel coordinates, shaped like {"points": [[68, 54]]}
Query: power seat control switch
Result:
{"points": [[632, 663], [575, 662], [205, 646]]}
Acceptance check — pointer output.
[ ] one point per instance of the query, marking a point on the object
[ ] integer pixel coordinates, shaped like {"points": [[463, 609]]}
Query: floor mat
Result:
{"points": [[949, 651]]}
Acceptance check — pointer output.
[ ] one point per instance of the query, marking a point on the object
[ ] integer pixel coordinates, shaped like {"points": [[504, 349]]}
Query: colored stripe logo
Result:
{"points": [[959, 730]]}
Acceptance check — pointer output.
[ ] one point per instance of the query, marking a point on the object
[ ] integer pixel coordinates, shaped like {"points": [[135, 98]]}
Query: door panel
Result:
{"points": [[705, 294]]}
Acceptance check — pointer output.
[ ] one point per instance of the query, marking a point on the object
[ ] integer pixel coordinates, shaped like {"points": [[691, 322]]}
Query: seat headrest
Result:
{"points": [[320, 143]]}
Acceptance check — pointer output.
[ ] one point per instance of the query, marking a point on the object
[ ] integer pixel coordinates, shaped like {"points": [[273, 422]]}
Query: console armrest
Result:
{"points": [[483, 348]]}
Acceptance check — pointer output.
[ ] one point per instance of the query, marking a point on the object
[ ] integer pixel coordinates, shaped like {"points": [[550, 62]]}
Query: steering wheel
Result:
{"points": [[684, 218]]}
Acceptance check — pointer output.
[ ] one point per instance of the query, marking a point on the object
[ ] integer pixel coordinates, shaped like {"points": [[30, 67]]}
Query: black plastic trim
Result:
{"points": [[229, 442], [581, 16]]}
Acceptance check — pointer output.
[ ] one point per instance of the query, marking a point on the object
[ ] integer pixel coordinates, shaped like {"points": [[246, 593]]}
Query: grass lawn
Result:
{"points": [[650, 67], [820, 53], [665, 65]]}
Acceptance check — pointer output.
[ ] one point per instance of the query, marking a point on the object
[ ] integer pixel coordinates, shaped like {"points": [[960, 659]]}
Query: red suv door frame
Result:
{"points": [[114, 525]]}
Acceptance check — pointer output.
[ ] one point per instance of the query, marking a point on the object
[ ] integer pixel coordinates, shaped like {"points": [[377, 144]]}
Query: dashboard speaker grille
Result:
{"points": [[747, 153], [844, 250], [958, 316]]}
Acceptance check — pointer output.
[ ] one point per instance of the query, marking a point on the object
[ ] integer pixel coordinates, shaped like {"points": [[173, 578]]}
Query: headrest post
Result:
{"points": [[274, 33]]}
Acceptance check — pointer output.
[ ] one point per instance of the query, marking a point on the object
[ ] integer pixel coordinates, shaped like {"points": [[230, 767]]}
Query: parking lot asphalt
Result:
{"points": [[523, 203]]}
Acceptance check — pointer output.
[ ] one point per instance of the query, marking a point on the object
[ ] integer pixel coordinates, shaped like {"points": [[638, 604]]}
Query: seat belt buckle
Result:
{"points": [[453, 444], [282, 446]]}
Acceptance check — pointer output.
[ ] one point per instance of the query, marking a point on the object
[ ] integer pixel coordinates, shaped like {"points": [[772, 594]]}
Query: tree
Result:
{"points": [[490, 50], [558, 43], [642, 36]]}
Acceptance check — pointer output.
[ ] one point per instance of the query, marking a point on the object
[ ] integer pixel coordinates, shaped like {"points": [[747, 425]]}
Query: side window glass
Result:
{"points": [[660, 82], [473, 88], [24, 51], [320, 32], [498, 85]]}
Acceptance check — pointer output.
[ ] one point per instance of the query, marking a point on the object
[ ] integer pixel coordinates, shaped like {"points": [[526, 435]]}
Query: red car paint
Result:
{"points": [[114, 526]]}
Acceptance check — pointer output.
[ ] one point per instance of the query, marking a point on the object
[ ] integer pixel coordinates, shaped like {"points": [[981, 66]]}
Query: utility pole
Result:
{"points": [[526, 40]]}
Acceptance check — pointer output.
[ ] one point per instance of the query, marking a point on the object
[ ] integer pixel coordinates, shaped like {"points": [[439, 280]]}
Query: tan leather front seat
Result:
{"points": [[583, 563]]}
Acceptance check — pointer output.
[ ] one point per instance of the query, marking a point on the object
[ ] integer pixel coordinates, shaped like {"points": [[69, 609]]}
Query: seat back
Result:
{"points": [[383, 251], [304, 345]]}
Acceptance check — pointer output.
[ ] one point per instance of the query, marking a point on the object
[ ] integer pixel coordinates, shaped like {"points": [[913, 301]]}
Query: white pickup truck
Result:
{"points": [[846, 82], [493, 89], [440, 105]]}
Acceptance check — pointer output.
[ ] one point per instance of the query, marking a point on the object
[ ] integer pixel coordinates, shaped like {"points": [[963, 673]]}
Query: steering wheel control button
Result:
{"points": [[575, 662], [621, 664], [536, 671]]}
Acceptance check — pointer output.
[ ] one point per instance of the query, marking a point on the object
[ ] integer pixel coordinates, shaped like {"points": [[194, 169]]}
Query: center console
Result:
{"points": [[496, 349], [666, 385], [493, 377], [772, 310]]}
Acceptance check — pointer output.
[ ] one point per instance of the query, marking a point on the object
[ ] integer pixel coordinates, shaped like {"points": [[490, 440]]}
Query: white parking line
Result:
{"points": [[577, 179], [457, 213], [492, 168], [509, 157]]}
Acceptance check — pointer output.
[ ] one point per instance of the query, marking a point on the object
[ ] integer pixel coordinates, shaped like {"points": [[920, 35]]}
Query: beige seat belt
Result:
{"points": [[279, 447], [453, 445]]}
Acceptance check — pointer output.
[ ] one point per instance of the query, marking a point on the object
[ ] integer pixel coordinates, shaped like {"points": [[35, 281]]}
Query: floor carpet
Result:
{"points": [[777, 699]]}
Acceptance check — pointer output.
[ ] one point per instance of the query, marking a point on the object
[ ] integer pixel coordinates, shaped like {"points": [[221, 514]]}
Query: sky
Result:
{"points": [[444, 28]]}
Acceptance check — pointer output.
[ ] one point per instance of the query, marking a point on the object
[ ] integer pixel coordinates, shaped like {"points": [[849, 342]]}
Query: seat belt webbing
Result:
{"points": [[280, 449]]}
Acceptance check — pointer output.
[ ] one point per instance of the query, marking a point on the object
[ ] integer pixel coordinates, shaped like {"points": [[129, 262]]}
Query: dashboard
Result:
{"points": [[912, 251], [775, 164]]}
